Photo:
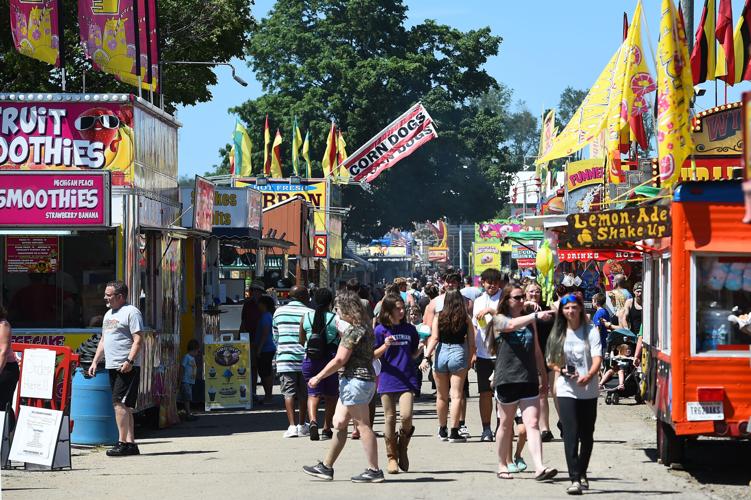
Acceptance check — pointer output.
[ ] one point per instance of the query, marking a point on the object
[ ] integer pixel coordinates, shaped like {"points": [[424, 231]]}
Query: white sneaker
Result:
{"points": [[291, 431], [464, 432], [303, 430]]}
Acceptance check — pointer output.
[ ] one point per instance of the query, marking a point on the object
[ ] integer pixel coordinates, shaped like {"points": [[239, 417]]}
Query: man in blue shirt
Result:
{"points": [[601, 319]]}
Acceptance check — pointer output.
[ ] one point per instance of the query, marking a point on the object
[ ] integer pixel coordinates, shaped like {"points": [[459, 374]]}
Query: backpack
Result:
{"points": [[317, 343]]}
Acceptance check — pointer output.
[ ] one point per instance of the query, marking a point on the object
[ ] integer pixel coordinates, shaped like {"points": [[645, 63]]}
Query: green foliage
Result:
{"points": [[570, 101], [190, 30], [355, 62]]}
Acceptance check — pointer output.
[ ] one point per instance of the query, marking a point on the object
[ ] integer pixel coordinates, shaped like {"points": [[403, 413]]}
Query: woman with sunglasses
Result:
{"points": [[575, 354], [520, 377]]}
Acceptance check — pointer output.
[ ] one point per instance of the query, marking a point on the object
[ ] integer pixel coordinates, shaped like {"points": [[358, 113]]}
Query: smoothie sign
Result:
{"points": [[75, 199], [618, 226], [67, 135]]}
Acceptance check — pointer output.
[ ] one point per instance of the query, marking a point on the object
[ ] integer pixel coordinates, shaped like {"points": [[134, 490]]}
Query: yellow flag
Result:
{"points": [[306, 155], [276, 156], [674, 93], [342, 175], [243, 147], [266, 144], [296, 144], [629, 99], [589, 119]]}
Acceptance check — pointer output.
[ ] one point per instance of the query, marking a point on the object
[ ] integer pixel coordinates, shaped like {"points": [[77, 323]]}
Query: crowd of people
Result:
{"points": [[354, 347]]}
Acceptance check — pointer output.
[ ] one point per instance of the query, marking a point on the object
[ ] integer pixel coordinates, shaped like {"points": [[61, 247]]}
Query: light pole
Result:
{"points": [[199, 63]]}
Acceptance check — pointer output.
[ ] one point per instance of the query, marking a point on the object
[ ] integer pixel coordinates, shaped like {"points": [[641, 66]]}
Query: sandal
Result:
{"points": [[512, 468], [520, 464], [504, 475], [546, 474]]}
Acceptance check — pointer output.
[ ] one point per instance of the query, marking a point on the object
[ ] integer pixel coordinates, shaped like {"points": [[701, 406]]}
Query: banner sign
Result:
{"points": [[203, 205], [617, 226], [578, 255], [524, 252], [34, 26], [117, 36], [526, 263], [55, 135], [426, 135], [255, 208], [320, 245], [496, 230], [31, 254], [486, 256], [64, 199], [388, 144], [314, 192], [438, 255]]}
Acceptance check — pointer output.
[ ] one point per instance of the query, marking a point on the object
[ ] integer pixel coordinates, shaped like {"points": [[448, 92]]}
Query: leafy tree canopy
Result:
{"points": [[192, 30], [355, 62]]}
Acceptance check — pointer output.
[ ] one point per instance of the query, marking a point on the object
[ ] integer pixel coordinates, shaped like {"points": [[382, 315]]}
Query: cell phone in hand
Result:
{"points": [[570, 371]]}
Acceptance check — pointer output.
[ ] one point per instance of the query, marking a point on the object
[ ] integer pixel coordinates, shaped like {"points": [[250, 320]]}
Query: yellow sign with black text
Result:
{"points": [[617, 226]]}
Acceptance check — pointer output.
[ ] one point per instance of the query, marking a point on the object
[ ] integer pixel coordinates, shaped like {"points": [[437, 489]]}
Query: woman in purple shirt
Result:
{"points": [[397, 345]]}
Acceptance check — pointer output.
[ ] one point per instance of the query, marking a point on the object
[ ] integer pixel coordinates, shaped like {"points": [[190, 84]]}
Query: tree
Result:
{"points": [[355, 62], [523, 135], [570, 101], [192, 30]]}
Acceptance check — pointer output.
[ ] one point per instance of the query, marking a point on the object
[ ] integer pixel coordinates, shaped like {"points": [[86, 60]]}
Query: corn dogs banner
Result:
{"points": [[399, 139]]}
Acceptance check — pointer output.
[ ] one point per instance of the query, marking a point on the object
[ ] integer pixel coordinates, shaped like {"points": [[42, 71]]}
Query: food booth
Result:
{"points": [[88, 194]]}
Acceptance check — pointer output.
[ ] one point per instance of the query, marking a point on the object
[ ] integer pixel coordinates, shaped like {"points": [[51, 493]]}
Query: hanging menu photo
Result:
{"points": [[31, 254]]}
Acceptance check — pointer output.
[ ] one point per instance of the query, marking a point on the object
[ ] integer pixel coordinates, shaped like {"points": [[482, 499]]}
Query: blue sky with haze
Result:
{"points": [[547, 45]]}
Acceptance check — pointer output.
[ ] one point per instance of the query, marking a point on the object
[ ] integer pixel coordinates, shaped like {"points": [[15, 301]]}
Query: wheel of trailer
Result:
{"points": [[669, 445]]}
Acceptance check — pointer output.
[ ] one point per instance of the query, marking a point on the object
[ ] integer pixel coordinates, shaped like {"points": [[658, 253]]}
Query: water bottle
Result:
{"points": [[715, 327]]}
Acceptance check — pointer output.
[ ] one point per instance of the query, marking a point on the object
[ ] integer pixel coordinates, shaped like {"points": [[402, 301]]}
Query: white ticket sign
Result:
{"points": [[38, 373], [35, 438]]}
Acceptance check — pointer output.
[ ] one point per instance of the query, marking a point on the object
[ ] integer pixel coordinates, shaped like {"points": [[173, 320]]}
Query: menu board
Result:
{"points": [[35, 438], [31, 254], [227, 373]]}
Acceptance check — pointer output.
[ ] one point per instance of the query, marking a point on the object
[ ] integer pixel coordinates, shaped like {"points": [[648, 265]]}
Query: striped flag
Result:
{"points": [[741, 41], [704, 55], [725, 59], [329, 157], [306, 155], [242, 147], [296, 144], [276, 156], [266, 152]]}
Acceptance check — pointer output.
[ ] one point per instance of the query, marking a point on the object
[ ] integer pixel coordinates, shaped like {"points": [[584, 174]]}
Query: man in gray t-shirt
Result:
{"points": [[121, 345]]}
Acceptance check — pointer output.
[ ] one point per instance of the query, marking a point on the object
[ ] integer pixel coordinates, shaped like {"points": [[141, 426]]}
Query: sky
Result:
{"points": [[547, 46]]}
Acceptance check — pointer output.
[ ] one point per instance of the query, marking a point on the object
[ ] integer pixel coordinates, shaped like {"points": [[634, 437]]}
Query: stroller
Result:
{"points": [[624, 339]]}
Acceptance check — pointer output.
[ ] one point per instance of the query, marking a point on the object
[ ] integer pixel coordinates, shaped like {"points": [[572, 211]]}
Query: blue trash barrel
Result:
{"points": [[91, 409]]}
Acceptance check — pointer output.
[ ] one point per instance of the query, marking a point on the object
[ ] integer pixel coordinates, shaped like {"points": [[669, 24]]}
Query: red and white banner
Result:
{"points": [[576, 255], [426, 135], [390, 145]]}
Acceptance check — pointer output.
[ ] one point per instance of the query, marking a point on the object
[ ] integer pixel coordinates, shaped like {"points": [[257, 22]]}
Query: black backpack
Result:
{"points": [[317, 346]]}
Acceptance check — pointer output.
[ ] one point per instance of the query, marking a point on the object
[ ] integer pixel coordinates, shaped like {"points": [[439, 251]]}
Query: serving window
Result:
{"points": [[56, 281], [721, 304]]}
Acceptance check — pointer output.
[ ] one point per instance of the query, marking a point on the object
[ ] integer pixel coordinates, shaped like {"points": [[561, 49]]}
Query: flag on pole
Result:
{"points": [[704, 54], [306, 155], [296, 144], [741, 41], [725, 59], [266, 146], [342, 174], [674, 93], [232, 161], [243, 147], [36, 29], [329, 156], [276, 156]]}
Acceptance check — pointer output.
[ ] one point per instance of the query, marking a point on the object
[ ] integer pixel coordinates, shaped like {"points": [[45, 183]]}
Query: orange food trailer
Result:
{"points": [[697, 293]]}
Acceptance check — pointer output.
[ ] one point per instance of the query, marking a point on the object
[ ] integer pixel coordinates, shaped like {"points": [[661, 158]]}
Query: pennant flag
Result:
{"points": [[266, 146], [243, 147], [342, 174], [306, 155], [155, 51], [630, 103], [741, 41], [703, 56], [329, 156], [724, 32], [547, 134], [232, 161], [394, 143], [296, 144], [276, 156], [36, 29], [674, 93], [591, 116]]}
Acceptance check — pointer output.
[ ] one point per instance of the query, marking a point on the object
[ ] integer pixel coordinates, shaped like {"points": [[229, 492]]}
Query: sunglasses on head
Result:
{"points": [[568, 299]]}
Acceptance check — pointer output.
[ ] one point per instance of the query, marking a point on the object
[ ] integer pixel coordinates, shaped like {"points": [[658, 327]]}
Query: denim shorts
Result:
{"points": [[356, 391], [450, 358]]}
